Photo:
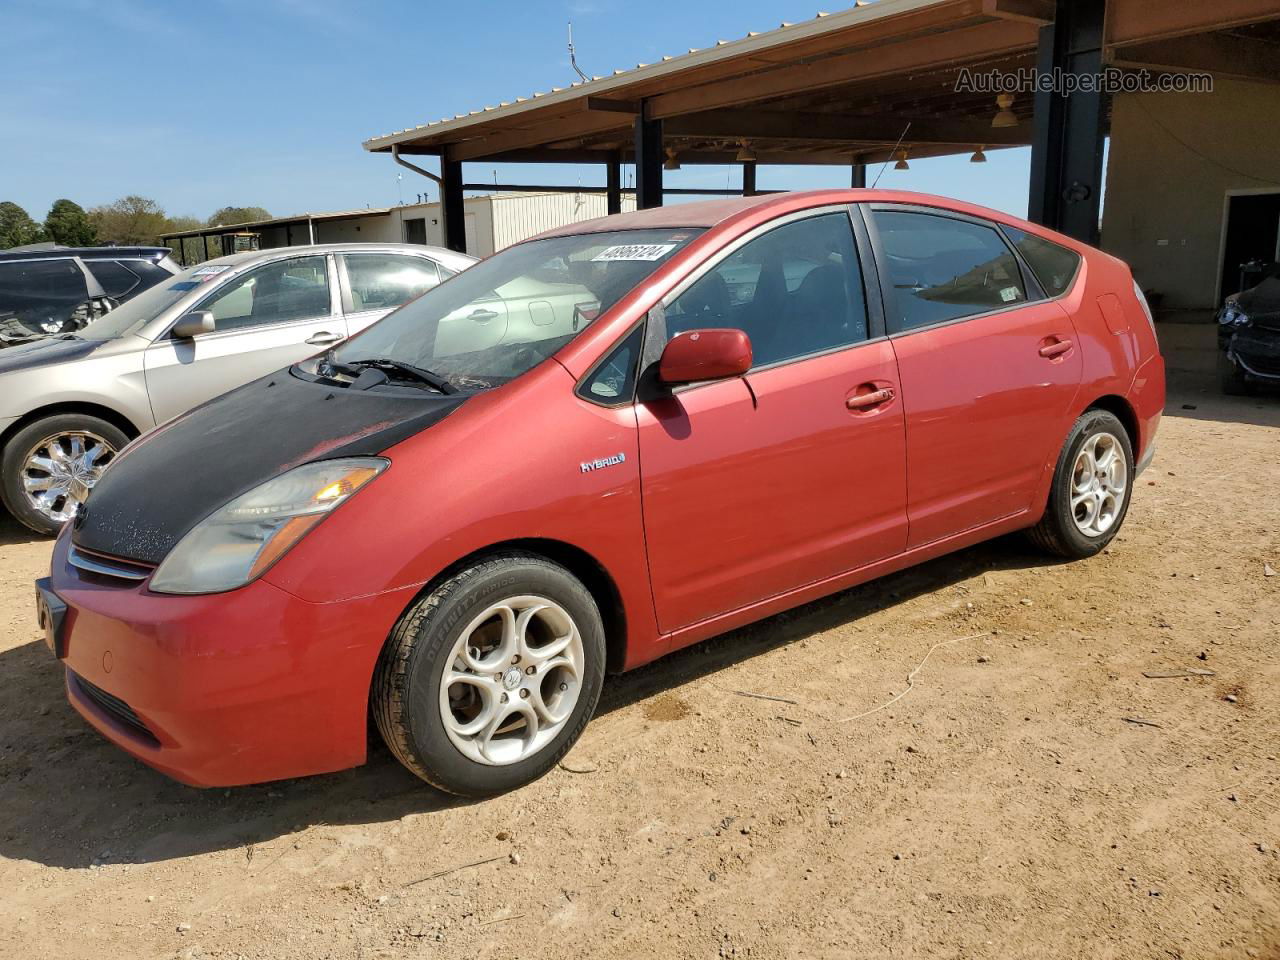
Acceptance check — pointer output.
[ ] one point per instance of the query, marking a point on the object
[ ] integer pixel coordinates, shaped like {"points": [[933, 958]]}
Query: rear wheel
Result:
{"points": [[49, 467], [1092, 483], [489, 679]]}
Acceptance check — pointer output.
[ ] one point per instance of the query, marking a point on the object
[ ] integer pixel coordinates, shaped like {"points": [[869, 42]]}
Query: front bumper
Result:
{"points": [[1256, 353], [226, 689]]}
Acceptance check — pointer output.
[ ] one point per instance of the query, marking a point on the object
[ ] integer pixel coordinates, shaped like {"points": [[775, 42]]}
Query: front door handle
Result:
{"points": [[861, 401], [1055, 349], [323, 339]]}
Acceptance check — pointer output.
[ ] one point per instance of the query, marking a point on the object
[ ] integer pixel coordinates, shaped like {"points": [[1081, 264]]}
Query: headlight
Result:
{"points": [[1232, 315], [240, 541]]}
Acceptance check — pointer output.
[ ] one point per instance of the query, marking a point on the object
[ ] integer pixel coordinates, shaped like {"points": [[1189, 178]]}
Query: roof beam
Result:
{"points": [[583, 124], [1215, 53], [1133, 21], [993, 39], [1039, 12], [764, 124]]}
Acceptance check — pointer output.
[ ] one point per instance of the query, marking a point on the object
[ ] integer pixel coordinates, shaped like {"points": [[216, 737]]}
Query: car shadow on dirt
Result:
{"points": [[70, 799], [12, 532]]}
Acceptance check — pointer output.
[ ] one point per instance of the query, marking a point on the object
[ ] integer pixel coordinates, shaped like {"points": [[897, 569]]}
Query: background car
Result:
{"points": [[50, 290], [458, 534], [68, 404], [1249, 336]]}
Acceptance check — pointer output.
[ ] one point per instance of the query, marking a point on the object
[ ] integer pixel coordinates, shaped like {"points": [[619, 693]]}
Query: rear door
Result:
{"points": [[266, 318], [374, 284], [989, 368], [794, 473]]}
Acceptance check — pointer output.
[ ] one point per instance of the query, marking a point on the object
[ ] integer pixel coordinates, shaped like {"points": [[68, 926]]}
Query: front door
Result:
{"points": [[758, 485], [264, 320], [988, 377]]}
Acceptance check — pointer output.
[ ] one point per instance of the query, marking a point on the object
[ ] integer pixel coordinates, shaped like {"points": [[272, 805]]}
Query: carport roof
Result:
{"points": [[835, 89]]}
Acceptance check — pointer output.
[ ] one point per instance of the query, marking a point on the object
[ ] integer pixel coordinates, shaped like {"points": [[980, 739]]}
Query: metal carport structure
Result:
{"points": [[841, 89]]}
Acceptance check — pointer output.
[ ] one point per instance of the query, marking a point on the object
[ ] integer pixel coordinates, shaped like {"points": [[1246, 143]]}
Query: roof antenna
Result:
{"points": [[891, 153], [573, 60]]}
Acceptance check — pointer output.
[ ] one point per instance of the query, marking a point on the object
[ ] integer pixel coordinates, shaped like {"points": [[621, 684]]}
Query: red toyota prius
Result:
{"points": [[591, 449]]}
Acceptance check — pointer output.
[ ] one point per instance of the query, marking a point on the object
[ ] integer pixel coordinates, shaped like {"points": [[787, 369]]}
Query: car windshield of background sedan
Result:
{"points": [[130, 316], [505, 315]]}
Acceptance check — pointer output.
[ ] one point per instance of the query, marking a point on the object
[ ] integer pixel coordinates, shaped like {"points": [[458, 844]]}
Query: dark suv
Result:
{"points": [[54, 290]]}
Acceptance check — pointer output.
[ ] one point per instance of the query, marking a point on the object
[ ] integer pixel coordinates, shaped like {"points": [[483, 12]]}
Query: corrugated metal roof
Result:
{"points": [[753, 43]]}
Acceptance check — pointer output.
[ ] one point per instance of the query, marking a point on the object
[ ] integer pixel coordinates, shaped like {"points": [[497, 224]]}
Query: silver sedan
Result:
{"points": [[69, 404]]}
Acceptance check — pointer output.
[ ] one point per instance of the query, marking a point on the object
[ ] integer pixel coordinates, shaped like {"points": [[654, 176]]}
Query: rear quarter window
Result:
{"points": [[1054, 265]]}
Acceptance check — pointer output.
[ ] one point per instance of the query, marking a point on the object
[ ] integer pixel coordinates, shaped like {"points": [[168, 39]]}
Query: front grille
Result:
{"points": [[115, 708], [104, 566]]}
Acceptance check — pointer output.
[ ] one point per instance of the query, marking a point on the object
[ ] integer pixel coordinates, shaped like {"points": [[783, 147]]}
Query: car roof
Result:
{"points": [[85, 253], [273, 253]]}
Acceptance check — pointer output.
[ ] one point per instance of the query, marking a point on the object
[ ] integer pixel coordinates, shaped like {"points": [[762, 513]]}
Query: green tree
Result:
{"points": [[185, 249], [130, 221], [226, 216], [16, 226], [68, 224]]}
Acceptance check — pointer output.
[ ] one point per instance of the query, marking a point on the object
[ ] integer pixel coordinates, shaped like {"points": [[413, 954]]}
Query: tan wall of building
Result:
{"points": [[1173, 159]]}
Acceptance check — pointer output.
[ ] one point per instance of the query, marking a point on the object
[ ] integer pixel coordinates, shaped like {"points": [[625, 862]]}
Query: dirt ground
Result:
{"points": [[1006, 807]]}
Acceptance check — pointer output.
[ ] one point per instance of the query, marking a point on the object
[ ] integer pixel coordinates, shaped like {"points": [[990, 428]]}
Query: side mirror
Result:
{"points": [[705, 355], [193, 324]]}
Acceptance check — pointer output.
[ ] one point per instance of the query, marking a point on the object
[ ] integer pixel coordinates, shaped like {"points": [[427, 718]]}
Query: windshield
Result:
{"points": [[502, 317], [131, 315]]}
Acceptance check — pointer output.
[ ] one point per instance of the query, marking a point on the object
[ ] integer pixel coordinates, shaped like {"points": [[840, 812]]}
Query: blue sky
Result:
{"points": [[266, 102]]}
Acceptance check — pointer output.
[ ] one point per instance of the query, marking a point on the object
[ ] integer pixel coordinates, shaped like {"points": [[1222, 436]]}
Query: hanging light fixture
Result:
{"points": [[672, 162], [902, 161], [745, 153], [979, 155], [1005, 117]]}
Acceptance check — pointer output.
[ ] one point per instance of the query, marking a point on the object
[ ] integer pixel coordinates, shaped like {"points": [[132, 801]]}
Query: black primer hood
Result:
{"points": [[43, 352], [175, 477]]}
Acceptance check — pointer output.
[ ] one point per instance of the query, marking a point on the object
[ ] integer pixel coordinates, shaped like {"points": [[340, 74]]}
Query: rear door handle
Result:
{"points": [[323, 339], [1055, 349], [861, 401]]}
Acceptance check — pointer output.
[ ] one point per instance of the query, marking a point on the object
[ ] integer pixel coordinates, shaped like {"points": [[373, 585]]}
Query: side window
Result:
{"points": [[383, 281], [117, 280], [43, 295], [943, 269], [614, 380], [794, 291], [1054, 266], [277, 293]]}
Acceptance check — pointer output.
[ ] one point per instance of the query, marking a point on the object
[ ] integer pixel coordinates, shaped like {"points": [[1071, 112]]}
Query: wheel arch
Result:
{"points": [[113, 417], [593, 574], [1124, 412]]}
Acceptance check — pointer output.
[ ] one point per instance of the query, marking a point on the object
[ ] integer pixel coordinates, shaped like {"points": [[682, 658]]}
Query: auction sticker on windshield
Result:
{"points": [[634, 251]]}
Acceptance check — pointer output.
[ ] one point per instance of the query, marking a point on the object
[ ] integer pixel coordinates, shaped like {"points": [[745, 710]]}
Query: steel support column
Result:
{"points": [[748, 178], [613, 183], [858, 175], [648, 163], [451, 206], [1068, 131]]}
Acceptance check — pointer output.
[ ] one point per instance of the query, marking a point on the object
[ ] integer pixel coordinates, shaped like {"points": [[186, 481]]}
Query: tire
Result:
{"points": [[453, 627], [1234, 383], [61, 429], [1083, 530]]}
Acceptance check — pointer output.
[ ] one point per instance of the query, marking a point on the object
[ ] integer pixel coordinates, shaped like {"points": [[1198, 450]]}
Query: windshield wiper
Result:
{"points": [[389, 366]]}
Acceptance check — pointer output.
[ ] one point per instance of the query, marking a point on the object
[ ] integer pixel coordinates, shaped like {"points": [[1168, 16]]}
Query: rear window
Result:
{"points": [[42, 295], [1054, 266]]}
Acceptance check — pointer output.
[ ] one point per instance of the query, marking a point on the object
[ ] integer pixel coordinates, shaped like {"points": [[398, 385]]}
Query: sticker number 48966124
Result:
{"points": [[634, 251]]}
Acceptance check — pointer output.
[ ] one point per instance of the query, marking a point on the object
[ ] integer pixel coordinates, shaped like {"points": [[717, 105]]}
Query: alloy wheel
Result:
{"points": [[1099, 484], [512, 680]]}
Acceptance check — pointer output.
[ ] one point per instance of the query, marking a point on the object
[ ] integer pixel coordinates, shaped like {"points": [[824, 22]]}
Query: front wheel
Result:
{"points": [[49, 467], [490, 678], [1092, 484]]}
